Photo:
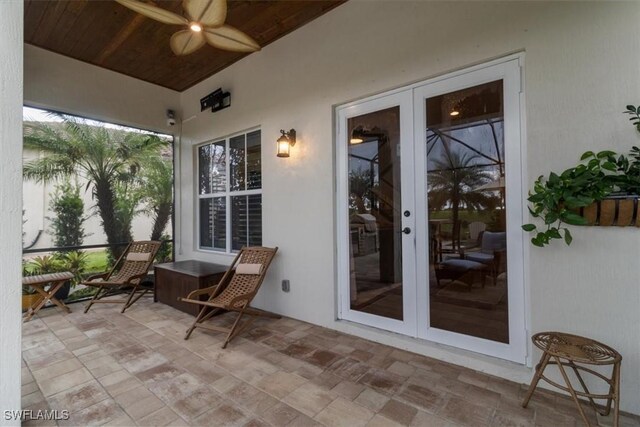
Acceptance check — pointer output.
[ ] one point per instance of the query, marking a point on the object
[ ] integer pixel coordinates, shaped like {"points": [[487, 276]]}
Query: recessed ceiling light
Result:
{"points": [[454, 113]]}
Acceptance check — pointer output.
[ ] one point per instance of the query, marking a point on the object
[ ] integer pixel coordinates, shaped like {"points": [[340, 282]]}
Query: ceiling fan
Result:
{"points": [[205, 20]]}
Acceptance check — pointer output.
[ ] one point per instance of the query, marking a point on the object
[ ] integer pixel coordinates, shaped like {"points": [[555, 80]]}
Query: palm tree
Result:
{"points": [[157, 185], [453, 180], [104, 157]]}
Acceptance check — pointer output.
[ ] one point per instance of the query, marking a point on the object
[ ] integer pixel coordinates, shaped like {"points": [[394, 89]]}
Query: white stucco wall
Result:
{"points": [[56, 82], [581, 69], [10, 205]]}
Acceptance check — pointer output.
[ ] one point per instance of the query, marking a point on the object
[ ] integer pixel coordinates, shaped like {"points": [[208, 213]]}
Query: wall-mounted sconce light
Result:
{"points": [[285, 142], [357, 135]]}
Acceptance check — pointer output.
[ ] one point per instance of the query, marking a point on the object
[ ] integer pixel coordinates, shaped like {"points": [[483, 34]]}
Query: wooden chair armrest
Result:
{"points": [[203, 291], [96, 276]]}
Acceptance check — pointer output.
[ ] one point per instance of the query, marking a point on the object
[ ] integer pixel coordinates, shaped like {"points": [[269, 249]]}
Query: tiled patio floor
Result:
{"points": [[135, 369]]}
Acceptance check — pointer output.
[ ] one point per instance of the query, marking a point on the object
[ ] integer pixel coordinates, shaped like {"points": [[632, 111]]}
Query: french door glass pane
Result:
{"points": [[375, 213], [254, 172], [236, 163], [467, 212], [212, 168]]}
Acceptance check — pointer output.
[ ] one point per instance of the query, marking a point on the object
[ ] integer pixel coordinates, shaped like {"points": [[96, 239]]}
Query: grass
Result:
{"points": [[96, 261]]}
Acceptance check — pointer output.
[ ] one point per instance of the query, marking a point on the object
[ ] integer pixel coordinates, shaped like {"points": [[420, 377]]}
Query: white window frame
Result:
{"points": [[228, 193]]}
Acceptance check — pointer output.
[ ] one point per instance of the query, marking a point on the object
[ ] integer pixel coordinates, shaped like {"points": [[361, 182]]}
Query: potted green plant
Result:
{"points": [[29, 294], [572, 197]]}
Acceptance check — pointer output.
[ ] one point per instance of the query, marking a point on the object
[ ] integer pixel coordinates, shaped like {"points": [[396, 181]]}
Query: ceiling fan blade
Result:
{"points": [[154, 12], [185, 42], [228, 38], [209, 13]]}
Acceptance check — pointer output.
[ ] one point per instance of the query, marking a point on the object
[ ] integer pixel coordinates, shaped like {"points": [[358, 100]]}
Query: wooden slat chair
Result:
{"points": [[126, 275], [246, 274]]}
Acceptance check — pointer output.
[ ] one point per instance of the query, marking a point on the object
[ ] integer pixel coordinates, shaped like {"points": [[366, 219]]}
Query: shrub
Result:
{"points": [[67, 224]]}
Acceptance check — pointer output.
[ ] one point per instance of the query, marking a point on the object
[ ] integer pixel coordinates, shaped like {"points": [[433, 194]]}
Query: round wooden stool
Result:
{"points": [[574, 351]]}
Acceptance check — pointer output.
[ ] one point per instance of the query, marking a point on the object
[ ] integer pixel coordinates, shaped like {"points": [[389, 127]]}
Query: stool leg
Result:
{"points": [[572, 391], [584, 386], [544, 360], [616, 394]]}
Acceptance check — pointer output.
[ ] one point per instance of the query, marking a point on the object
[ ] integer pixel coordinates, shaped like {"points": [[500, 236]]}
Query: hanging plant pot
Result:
{"points": [[620, 211]]}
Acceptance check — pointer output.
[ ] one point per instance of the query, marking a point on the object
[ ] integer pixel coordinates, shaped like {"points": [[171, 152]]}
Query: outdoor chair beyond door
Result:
{"points": [[248, 271], [125, 276], [492, 252]]}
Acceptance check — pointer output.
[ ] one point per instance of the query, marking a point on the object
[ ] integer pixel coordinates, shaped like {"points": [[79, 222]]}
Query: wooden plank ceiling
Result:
{"points": [[106, 34]]}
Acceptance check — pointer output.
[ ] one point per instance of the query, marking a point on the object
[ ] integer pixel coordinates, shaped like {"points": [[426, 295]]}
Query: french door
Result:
{"points": [[429, 207]]}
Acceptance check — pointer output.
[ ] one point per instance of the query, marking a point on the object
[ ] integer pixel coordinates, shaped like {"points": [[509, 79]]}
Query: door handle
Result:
{"points": [[406, 230]]}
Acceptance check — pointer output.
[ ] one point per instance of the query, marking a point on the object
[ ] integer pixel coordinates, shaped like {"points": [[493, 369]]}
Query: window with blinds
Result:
{"points": [[230, 193]]}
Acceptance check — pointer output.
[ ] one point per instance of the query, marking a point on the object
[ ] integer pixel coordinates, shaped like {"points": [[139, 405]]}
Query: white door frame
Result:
{"points": [[404, 100], [509, 73], [415, 293]]}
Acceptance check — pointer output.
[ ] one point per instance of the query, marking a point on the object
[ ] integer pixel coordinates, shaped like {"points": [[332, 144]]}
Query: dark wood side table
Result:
{"points": [[177, 279]]}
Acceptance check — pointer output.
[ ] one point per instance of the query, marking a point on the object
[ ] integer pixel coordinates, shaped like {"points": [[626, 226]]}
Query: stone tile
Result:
{"points": [[79, 397], [466, 413], [225, 383], [380, 421], [321, 358], [285, 363], [304, 421], [256, 422], [402, 369], [482, 396], [349, 369], [382, 381], [175, 389], [224, 415], [309, 399], [195, 403], [474, 378], [361, 355], [162, 417], [348, 389], [162, 372], [501, 419], [371, 399], [56, 369], [280, 384], [41, 357], [423, 419], [549, 417], [423, 398], [148, 375], [29, 388], [251, 398], [281, 414], [344, 413], [399, 412], [65, 381], [297, 350], [326, 380], [98, 414], [32, 399], [137, 358], [119, 382]]}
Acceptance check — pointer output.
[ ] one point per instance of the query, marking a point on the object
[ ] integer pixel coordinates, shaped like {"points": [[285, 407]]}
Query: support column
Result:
{"points": [[11, 90]]}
